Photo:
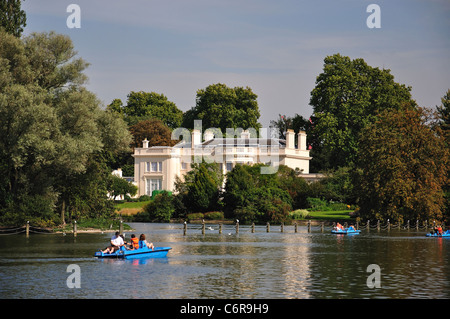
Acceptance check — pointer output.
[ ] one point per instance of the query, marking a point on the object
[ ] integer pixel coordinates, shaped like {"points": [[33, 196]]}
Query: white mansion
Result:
{"points": [[155, 168]]}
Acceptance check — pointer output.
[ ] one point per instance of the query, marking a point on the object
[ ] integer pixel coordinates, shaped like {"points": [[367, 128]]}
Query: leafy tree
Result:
{"points": [[200, 190], [154, 131], [148, 105], [254, 197], [444, 124], [119, 186], [222, 107], [347, 97], [444, 115], [12, 18], [403, 167], [160, 209], [52, 129]]}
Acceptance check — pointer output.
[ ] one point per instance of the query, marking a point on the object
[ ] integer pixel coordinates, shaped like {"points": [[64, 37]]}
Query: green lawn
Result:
{"points": [[131, 205], [330, 215]]}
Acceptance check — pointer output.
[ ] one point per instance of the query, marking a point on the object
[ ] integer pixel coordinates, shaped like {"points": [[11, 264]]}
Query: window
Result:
{"points": [[152, 184], [229, 166], [183, 165], [153, 166]]}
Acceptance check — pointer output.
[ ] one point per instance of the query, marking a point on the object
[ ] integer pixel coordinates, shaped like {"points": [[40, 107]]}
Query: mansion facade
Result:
{"points": [[156, 168]]}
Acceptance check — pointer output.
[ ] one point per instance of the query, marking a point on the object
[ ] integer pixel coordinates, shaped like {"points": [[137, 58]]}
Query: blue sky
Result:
{"points": [[176, 47]]}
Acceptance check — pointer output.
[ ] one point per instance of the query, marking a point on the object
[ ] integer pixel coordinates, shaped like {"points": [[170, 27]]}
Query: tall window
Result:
{"points": [[153, 184]]}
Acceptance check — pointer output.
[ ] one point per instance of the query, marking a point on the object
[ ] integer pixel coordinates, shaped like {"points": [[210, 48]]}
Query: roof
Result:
{"points": [[238, 142]]}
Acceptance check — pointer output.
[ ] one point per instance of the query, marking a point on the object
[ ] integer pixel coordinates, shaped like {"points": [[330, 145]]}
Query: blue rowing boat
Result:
{"points": [[445, 234], [348, 231], [157, 252]]}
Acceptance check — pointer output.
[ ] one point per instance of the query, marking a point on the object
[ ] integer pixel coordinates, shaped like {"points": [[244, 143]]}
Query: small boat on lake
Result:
{"points": [[348, 231], [444, 234], [144, 252]]}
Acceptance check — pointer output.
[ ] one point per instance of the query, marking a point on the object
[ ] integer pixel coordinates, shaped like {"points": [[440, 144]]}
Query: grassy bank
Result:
{"points": [[331, 215], [130, 208]]}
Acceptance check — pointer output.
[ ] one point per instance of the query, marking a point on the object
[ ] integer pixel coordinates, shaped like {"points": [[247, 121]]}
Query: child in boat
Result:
{"points": [[143, 242], [339, 227], [134, 242]]}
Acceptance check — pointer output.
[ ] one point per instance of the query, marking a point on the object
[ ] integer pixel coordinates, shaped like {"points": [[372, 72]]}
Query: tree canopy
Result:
{"points": [[12, 18], [219, 106], [403, 166], [52, 130], [148, 105], [347, 97]]}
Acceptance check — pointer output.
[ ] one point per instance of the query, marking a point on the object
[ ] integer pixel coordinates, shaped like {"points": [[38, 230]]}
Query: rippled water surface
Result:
{"points": [[230, 265]]}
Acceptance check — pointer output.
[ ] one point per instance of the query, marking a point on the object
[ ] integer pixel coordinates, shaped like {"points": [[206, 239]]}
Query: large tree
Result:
{"points": [[52, 129], [148, 105], [219, 106], [403, 164], [154, 131], [12, 18], [347, 97]]}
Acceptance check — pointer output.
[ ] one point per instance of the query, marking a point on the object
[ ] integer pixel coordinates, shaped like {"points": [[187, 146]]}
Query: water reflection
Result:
{"points": [[230, 265]]}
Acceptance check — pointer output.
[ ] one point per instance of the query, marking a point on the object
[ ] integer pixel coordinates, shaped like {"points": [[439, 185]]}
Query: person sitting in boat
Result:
{"points": [[439, 230], [116, 243], [144, 243], [134, 242], [339, 227], [352, 228]]}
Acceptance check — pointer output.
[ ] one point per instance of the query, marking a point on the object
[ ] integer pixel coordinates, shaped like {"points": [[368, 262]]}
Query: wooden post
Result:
{"points": [[253, 227], [220, 228], [237, 226], [309, 226], [28, 228], [417, 224], [121, 227], [296, 227], [282, 227], [75, 228], [407, 225], [388, 225], [357, 224], [203, 227], [184, 228], [268, 227], [378, 225], [368, 224], [322, 224]]}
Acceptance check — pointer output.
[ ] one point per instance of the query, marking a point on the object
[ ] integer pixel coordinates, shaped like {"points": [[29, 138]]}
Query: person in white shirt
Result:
{"points": [[116, 243]]}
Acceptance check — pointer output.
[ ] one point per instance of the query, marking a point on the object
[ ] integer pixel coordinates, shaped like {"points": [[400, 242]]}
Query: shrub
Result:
{"points": [[193, 216], [214, 215], [299, 214], [144, 198], [158, 210]]}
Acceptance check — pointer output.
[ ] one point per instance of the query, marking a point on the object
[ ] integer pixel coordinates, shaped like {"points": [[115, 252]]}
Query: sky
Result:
{"points": [[275, 47]]}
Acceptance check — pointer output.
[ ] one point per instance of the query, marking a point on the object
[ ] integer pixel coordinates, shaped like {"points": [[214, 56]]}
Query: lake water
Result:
{"points": [[229, 265]]}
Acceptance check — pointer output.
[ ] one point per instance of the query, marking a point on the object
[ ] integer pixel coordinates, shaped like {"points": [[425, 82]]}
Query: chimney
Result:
{"points": [[196, 138], [302, 140], [290, 139], [145, 143]]}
